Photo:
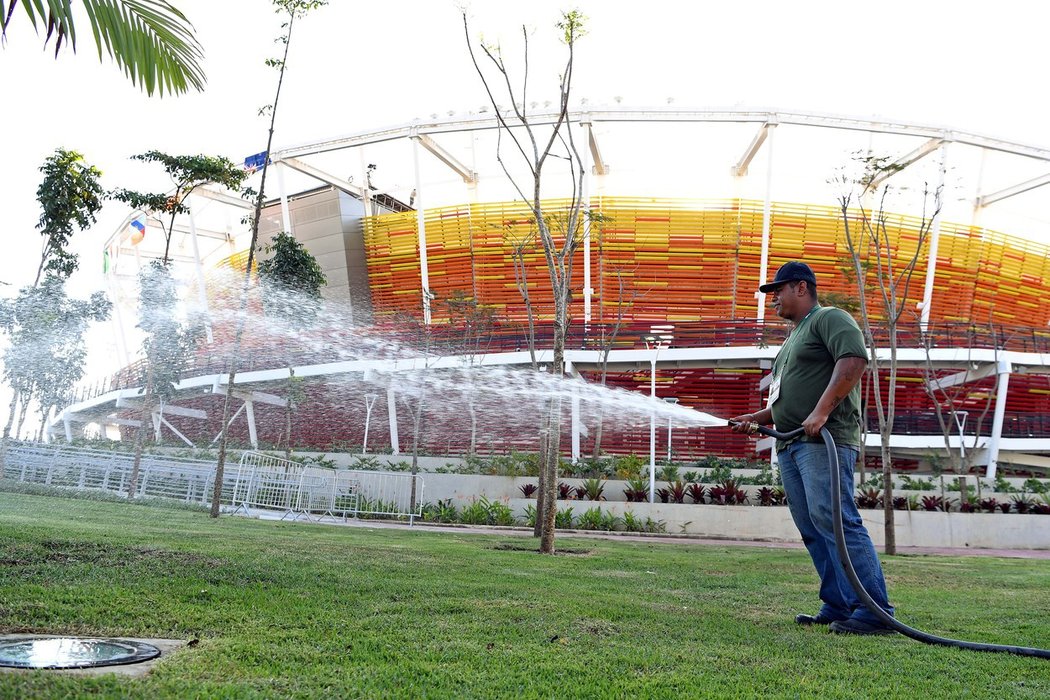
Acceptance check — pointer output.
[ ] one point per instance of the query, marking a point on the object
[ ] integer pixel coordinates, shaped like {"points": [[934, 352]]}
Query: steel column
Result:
{"points": [[935, 235]]}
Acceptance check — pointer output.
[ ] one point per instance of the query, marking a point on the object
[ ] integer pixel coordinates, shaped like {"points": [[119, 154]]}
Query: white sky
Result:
{"points": [[973, 66]]}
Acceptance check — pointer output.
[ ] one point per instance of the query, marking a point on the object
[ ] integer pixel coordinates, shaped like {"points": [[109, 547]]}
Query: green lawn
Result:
{"points": [[300, 610]]}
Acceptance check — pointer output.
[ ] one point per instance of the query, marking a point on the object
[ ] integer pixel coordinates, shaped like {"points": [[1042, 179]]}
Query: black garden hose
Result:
{"points": [[847, 566]]}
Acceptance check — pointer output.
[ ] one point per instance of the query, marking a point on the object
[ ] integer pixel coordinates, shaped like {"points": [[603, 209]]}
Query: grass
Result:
{"points": [[290, 610]]}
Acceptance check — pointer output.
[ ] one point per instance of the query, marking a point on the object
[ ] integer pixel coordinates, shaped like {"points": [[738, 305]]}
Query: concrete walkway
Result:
{"points": [[637, 537]]}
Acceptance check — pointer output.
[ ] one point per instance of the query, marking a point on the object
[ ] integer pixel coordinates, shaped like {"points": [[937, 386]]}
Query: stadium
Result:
{"points": [[690, 211]]}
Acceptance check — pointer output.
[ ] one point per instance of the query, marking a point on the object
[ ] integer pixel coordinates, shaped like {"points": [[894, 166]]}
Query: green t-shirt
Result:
{"points": [[805, 364]]}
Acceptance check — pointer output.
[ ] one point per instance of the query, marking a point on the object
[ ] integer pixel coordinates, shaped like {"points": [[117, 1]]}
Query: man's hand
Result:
{"points": [[744, 424], [814, 422], [749, 422]]}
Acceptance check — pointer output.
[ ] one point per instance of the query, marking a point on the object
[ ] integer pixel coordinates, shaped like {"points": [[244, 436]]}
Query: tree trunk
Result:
{"points": [[596, 451], [140, 435], [889, 530], [550, 468], [220, 462], [5, 440], [473, 426], [416, 424], [24, 409], [541, 479]]}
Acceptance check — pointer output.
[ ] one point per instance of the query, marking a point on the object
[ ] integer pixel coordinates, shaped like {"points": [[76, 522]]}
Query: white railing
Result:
{"points": [[260, 481], [272, 483], [178, 478]]}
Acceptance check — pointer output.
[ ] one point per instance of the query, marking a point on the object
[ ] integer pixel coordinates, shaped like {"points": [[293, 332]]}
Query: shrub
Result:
{"points": [[441, 512], [988, 505], [564, 491], [1035, 486], [696, 492], [563, 518], [591, 519], [932, 503], [727, 493], [676, 491], [591, 490], [766, 496], [632, 523], [765, 476], [637, 490], [910, 484], [869, 498], [482, 511], [528, 490], [629, 467], [1022, 503], [667, 472]]}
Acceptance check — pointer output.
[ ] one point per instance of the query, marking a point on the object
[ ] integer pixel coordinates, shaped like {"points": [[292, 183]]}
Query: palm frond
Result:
{"points": [[150, 40]]}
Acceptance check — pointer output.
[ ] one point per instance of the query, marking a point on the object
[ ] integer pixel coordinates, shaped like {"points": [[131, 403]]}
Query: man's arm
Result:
{"points": [[845, 376]]}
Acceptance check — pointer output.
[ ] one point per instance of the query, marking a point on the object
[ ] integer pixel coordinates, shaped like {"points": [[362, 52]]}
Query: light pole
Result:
{"points": [[370, 400], [671, 400], [659, 336]]}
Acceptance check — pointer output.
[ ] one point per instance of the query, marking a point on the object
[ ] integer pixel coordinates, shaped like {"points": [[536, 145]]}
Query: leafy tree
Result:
{"points": [[150, 40], [292, 279], [169, 339], [291, 10], [187, 173], [559, 234], [70, 195], [44, 359]]}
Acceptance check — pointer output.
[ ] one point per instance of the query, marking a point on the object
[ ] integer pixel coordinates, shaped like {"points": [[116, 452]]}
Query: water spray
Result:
{"points": [[851, 574]]}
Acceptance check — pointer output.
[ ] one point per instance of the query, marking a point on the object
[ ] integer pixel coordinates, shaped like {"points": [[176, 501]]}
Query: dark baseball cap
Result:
{"points": [[793, 271]]}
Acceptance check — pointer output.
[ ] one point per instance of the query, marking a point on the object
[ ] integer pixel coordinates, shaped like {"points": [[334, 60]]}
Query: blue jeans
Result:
{"points": [[804, 471]]}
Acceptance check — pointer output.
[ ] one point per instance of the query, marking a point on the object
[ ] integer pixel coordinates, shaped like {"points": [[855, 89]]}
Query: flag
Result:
{"points": [[139, 233]]}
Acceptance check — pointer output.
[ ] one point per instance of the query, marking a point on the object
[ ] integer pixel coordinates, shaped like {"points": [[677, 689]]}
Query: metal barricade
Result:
{"points": [[260, 481], [272, 483]]}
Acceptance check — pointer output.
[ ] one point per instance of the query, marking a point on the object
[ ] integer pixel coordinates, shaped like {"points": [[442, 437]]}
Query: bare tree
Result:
{"points": [[884, 272], [474, 322], [536, 141], [951, 397]]}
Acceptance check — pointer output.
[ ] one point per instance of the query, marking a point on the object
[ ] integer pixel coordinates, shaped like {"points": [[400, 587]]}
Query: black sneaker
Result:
{"points": [[852, 626], [818, 619]]}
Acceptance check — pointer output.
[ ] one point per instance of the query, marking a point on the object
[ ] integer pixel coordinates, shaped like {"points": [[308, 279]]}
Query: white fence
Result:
{"points": [[187, 480], [272, 483], [259, 481]]}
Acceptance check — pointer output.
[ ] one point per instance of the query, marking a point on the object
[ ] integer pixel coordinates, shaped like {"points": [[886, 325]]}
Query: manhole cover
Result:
{"points": [[73, 652]]}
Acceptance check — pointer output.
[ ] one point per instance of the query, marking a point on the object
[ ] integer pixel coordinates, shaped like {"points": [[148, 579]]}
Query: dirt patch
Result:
{"points": [[70, 552], [568, 551]]}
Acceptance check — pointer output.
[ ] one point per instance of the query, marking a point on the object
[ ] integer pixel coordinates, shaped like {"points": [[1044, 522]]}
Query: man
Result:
{"points": [[815, 385]]}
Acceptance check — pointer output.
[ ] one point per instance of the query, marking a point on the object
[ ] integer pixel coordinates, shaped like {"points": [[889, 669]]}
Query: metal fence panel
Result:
{"points": [[260, 481]]}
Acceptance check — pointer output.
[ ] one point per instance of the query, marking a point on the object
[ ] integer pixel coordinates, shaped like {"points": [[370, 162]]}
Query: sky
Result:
{"points": [[354, 66]]}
